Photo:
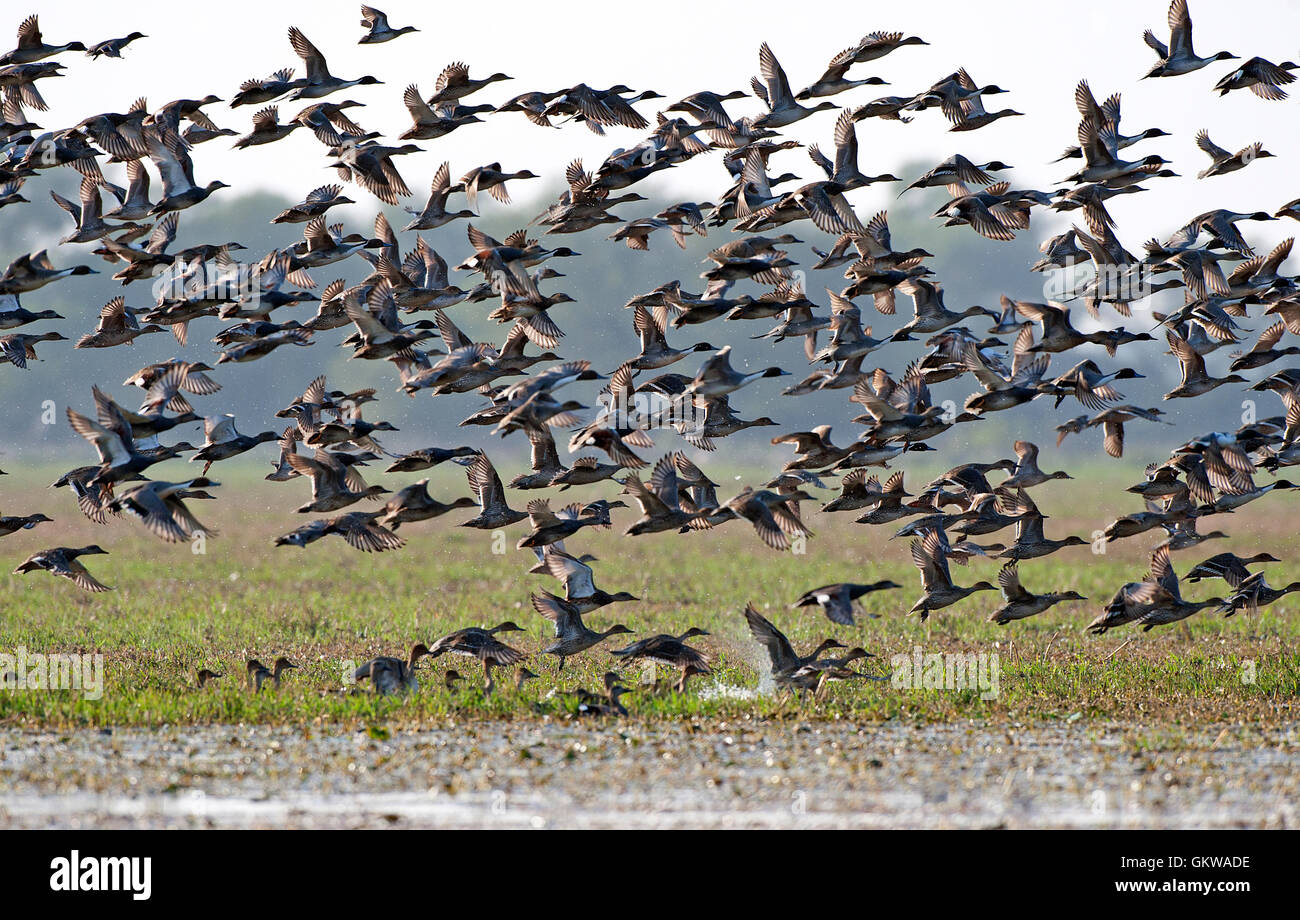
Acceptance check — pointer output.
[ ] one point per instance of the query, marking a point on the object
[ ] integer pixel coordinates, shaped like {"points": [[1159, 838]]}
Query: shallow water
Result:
{"points": [[624, 774]]}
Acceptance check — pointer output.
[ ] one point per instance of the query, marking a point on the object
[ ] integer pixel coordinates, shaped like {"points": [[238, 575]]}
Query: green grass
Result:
{"points": [[173, 612]]}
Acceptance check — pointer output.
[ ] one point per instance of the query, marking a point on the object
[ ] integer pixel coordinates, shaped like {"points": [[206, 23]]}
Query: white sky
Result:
{"points": [[679, 47]]}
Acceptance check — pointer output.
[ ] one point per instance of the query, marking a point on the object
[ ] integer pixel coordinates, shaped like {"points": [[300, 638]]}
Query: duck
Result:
{"points": [[478, 642], [63, 562], [1195, 382], [1223, 162], [35, 270], [773, 515], [655, 350], [1178, 58], [455, 83], [1169, 607], [113, 47], [1027, 474], [91, 496], [957, 169], [413, 503], [552, 527], [661, 508], [1184, 535], [1261, 77], [11, 523], [984, 513], [876, 45], [1135, 599], [1019, 602], [930, 313], [1091, 386], [260, 347], [391, 675], [259, 673], [320, 82], [113, 437], [222, 441], [484, 482], [671, 651], [1254, 592], [266, 129], [586, 471], [13, 315], [1228, 566], [428, 123], [1112, 421], [844, 171], [572, 636], [378, 29], [591, 704], [858, 491], [1030, 540], [160, 506], [117, 326], [334, 485], [205, 676], [88, 214], [1265, 350], [10, 193], [490, 179], [817, 675], [929, 557], [545, 462], [774, 90], [836, 601], [969, 113], [1058, 333], [32, 46], [1100, 145], [1005, 388], [580, 591], [361, 530], [832, 81], [612, 442], [355, 430], [814, 448], [785, 660], [1221, 225], [317, 202], [434, 214], [371, 166], [717, 378], [261, 90]]}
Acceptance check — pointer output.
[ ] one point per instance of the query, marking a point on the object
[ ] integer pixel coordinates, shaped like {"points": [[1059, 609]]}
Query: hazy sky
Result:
{"points": [[678, 47]]}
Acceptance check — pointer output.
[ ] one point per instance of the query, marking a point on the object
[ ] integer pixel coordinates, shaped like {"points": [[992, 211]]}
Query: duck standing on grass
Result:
{"points": [[259, 673], [392, 675]]}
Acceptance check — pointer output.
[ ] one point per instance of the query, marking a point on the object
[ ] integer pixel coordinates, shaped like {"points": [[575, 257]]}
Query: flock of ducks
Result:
{"points": [[398, 315]]}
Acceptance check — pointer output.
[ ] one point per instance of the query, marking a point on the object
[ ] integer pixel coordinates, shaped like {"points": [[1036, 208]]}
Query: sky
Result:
{"points": [[676, 48]]}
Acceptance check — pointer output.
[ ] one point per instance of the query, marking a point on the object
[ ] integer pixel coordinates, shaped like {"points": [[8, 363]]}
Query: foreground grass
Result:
{"points": [[327, 607]]}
